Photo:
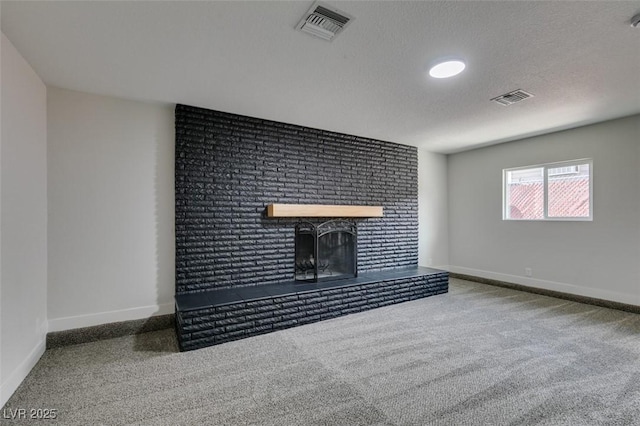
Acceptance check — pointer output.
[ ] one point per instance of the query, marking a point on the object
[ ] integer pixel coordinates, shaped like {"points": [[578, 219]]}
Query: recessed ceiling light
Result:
{"points": [[447, 69]]}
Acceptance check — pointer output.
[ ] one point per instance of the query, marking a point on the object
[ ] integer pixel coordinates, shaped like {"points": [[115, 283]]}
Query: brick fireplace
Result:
{"points": [[229, 168]]}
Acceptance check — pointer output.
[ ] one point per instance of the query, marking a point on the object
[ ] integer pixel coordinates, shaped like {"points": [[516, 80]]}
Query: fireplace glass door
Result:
{"points": [[327, 251]]}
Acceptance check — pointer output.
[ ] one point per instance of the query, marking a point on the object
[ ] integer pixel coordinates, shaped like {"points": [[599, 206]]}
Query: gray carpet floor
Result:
{"points": [[479, 355]]}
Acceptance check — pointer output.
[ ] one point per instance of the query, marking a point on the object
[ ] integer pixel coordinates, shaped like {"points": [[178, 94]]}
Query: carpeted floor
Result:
{"points": [[479, 355]]}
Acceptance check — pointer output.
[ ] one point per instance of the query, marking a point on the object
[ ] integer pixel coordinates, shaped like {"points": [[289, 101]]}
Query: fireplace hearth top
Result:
{"points": [[204, 299]]}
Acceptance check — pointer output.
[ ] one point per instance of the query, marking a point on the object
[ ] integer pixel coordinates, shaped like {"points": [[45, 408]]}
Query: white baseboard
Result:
{"points": [[9, 386], [443, 267], [89, 320], [597, 293]]}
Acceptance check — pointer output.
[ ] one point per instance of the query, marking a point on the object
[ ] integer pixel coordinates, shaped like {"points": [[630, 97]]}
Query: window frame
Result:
{"points": [[545, 177]]}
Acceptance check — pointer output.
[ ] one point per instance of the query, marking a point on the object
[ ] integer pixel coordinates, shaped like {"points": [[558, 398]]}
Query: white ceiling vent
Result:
{"points": [[323, 21], [512, 97]]}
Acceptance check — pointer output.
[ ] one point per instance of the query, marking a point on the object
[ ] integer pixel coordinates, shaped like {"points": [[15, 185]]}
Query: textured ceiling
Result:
{"points": [[581, 60]]}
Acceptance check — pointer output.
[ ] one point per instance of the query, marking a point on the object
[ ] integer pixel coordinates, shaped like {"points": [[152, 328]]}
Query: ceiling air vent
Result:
{"points": [[323, 21], [512, 97]]}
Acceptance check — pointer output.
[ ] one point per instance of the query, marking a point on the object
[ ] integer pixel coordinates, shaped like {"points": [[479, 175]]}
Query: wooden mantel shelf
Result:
{"points": [[322, 210]]}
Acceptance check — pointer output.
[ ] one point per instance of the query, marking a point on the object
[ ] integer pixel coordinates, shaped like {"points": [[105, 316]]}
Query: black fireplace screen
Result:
{"points": [[327, 251]]}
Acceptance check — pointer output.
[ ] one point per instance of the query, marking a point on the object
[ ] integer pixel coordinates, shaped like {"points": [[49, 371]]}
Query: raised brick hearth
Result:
{"points": [[219, 316]]}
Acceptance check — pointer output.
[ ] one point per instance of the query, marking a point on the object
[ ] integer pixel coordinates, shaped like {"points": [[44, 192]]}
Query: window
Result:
{"points": [[557, 191]]}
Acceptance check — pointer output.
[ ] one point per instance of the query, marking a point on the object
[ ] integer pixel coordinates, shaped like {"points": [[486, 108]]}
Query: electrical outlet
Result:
{"points": [[528, 272]]}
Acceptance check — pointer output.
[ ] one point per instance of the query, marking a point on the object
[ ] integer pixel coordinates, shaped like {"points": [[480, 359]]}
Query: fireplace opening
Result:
{"points": [[327, 251]]}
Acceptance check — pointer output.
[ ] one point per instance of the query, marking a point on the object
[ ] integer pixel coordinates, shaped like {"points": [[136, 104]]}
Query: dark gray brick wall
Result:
{"points": [[230, 167]]}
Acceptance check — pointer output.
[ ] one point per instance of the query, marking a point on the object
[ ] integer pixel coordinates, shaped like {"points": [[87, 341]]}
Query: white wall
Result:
{"points": [[111, 209], [597, 259], [3, 397], [433, 243], [23, 219]]}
